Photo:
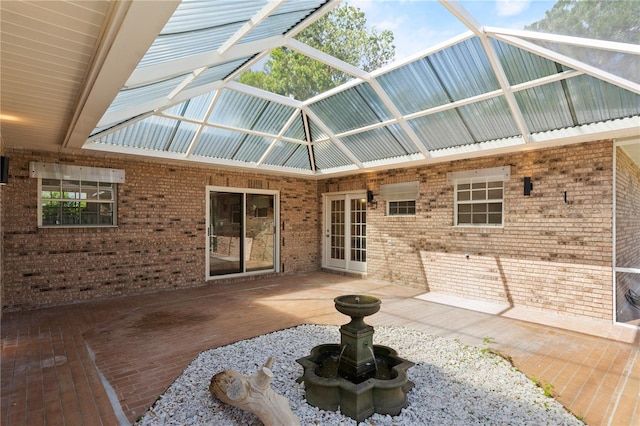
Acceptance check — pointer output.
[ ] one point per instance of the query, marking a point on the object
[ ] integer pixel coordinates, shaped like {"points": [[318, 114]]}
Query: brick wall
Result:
{"points": [[160, 240], [550, 254], [627, 228]]}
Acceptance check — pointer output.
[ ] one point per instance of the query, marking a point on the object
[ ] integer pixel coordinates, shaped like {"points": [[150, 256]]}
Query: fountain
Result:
{"points": [[356, 376]]}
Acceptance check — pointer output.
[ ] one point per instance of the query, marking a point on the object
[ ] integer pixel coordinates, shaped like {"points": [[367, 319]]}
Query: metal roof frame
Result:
{"points": [[496, 94]]}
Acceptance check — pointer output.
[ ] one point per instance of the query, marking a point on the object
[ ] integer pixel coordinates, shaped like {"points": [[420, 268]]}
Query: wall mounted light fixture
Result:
{"points": [[370, 201], [528, 186], [4, 170]]}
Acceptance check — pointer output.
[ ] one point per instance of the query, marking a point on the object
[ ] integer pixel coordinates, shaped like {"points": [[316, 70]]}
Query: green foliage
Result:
{"points": [[604, 20], [488, 340], [548, 388], [342, 33]]}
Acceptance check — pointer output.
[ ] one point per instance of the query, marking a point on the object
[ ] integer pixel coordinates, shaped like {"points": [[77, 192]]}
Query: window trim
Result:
{"points": [[113, 203], [62, 172], [400, 192], [388, 208], [485, 201], [245, 191], [495, 174]]}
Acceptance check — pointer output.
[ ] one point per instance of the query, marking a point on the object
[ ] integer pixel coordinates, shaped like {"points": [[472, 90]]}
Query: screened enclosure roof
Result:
{"points": [[487, 90]]}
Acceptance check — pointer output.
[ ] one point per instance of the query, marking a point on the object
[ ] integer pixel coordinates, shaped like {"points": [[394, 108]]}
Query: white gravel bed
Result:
{"points": [[455, 384]]}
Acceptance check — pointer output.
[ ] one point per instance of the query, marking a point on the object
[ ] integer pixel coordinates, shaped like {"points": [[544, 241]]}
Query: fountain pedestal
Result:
{"points": [[357, 356], [356, 338], [357, 377]]}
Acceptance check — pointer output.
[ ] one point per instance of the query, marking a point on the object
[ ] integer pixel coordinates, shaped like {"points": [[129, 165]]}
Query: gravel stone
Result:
{"points": [[455, 384]]}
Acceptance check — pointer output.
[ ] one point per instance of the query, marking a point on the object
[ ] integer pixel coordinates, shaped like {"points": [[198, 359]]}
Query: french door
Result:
{"points": [[241, 231], [345, 231]]}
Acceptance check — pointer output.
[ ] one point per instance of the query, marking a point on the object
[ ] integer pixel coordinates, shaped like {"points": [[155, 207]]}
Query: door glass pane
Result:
{"points": [[259, 240], [225, 233], [358, 230], [337, 229]]}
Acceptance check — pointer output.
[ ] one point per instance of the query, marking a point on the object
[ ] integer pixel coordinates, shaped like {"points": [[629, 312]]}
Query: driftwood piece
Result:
{"points": [[254, 393]]}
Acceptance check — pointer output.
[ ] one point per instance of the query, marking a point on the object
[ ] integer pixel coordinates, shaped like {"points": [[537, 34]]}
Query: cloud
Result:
{"points": [[364, 5], [511, 7], [390, 23]]}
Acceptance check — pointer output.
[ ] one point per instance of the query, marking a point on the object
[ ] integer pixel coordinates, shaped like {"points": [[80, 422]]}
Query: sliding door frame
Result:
{"points": [[210, 229]]}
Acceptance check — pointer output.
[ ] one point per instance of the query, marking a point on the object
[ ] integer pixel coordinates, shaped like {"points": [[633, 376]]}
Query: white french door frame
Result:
{"points": [[345, 262]]}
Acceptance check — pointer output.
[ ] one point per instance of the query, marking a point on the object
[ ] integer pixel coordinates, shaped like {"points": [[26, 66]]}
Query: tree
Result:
{"points": [[605, 20], [342, 33], [612, 20]]}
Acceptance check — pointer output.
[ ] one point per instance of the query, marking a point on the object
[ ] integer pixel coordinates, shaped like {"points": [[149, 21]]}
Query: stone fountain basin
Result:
{"points": [[357, 305], [383, 392]]}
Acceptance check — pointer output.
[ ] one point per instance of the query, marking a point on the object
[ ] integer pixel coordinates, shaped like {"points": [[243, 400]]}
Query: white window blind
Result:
{"points": [[400, 191], [494, 173], [68, 171]]}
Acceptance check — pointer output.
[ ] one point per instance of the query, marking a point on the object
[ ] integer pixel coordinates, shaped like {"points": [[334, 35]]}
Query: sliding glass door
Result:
{"points": [[627, 232], [242, 231]]}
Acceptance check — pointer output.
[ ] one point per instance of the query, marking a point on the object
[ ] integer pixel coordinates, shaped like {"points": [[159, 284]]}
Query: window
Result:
{"points": [[401, 208], [479, 196], [76, 196], [479, 203], [400, 198], [77, 203]]}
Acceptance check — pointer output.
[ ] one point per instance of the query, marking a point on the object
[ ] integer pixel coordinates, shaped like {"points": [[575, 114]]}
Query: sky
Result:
{"points": [[420, 24]]}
